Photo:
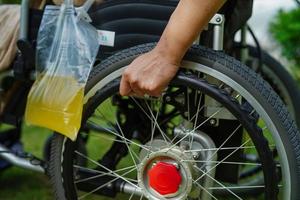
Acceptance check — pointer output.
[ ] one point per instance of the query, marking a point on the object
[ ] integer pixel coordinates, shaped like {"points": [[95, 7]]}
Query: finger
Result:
{"points": [[125, 88], [135, 87], [133, 94], [153, 89], [136, 90]]}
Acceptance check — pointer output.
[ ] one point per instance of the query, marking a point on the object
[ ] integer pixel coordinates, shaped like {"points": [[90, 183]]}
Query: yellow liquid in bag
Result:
{"points": [[56, 103]]}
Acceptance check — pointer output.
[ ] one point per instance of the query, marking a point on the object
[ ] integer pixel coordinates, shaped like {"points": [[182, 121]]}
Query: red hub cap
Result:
{"points": [[164, 178]]}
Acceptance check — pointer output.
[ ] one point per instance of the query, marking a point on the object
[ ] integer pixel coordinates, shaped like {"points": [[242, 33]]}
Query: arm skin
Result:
{"points": [[150, 73]]}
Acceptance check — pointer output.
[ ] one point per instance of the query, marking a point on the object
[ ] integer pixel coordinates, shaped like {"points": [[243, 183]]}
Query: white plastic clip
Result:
{"points": [[82, 12]]}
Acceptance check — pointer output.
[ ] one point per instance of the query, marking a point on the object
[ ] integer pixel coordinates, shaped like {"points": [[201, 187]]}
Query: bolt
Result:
{"points": [[218, 19], [196, 156], [176, 165], [213, 122]]}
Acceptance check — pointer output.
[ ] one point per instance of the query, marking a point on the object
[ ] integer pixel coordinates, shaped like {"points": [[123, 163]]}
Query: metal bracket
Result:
{"points": [[218, 21], [212, 106]]}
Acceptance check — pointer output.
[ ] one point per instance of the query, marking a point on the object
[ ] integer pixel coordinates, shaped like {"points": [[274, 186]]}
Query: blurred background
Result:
{"points": [[277, 26]]}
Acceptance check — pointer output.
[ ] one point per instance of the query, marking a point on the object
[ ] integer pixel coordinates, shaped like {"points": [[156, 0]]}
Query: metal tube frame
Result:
{"points": [[18, 161], [24, 20], [218, 21]]}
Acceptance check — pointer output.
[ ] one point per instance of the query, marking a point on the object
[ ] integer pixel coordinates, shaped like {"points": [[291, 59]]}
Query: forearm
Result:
{"points": [[186, 23]]}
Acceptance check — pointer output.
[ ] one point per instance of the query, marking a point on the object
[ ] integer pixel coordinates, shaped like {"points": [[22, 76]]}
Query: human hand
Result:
{"points": [[149, 74]]}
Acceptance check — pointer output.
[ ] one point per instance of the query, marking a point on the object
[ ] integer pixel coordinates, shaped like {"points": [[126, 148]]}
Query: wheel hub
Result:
{"points": [[167, 171], [162, 174], [165, 178]]}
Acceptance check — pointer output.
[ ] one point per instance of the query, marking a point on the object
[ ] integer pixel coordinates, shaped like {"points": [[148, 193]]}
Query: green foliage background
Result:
{"points": [[286, 31]]}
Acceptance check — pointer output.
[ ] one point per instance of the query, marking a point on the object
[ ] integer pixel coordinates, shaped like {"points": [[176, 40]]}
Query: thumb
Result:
{"points": [[125, 88]]}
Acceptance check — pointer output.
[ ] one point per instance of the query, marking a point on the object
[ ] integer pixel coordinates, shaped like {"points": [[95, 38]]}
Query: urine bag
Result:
{"points": [[66, 49]]}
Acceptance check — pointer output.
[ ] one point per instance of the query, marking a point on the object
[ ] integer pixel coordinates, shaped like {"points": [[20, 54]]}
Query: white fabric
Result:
{"points": [[9, 32]]}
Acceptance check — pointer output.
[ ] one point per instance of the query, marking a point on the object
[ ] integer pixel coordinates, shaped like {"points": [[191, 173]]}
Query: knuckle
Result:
{"points": [[152, 87], [143, 87], [134, 81], [126, 74]]}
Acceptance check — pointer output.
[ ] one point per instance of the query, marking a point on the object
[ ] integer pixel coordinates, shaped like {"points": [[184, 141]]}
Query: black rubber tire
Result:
{"points": [[48, 143], [232, 68], [47, 148], [280, 77]]}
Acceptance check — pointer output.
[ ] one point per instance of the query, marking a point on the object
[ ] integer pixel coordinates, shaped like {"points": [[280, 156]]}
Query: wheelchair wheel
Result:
{"points": [[187, 144]]}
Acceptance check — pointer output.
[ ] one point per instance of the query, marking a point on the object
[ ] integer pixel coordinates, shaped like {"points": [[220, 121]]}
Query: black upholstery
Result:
{"points": [[134, 21]]}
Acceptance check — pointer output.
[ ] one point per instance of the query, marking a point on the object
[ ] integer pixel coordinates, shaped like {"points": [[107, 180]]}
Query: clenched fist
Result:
{"points": [[149, 74]]}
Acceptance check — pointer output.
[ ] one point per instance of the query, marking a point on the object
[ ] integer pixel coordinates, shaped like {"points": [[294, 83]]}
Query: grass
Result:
{"points": [[17, 183]]}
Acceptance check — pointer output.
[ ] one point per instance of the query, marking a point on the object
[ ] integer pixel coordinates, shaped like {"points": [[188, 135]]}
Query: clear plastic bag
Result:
{"points": [[66, 51]]}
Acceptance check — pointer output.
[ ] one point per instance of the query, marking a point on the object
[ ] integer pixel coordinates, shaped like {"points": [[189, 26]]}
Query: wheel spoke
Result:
{"points": [[123, 139], [101, 173], [188, 104], [218, 149], [222, 160], [132, 194], [224, 148], [219, 183], [204, 189], [142, 197], [229, 163], [199, 109], [192, 131], [241, 187], [132, 153], [151, 117], [153, 126], [104, 185], [163, 134], [105, 168], [122, 136], [196, 118]]}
